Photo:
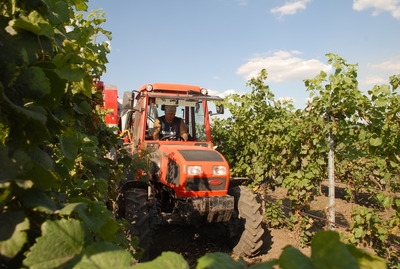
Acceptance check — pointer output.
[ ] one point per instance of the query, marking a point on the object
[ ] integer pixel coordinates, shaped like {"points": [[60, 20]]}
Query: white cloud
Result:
{"points": [[290, 8], [374, 80], [242, 2], [283, 66], [392, 6], [392, 65], [378, 73], [223, 94]]}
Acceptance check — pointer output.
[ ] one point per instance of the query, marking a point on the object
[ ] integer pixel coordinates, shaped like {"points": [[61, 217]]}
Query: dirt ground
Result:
{"points": [[193, 243]]}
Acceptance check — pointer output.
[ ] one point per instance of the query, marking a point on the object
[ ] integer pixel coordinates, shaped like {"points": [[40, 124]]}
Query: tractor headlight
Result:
{"points": [[149, 87], [204, 91], [219, 170], [194, 170]]}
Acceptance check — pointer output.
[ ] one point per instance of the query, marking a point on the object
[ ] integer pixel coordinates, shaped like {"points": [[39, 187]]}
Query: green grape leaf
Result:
{"points": [[375, 141], [23, 23], [104, 255], [82, 108], [38, 200], [84, 87], [34, 82], [219, 260], [80, 5], [70, 74], [59, 12], [366, 260], [34, 23], [73, 207], [292, 258], [60, 242], [167, 260], [13, 233], [69, 146], [358, 232], [327, 250], [42, 158], [42, 178], [9, 166], [96, 216], [32, 118], [385, 89]]}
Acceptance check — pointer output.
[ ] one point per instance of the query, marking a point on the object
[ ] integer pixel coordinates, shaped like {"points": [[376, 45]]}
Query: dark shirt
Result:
{"points": [[170, 128]]}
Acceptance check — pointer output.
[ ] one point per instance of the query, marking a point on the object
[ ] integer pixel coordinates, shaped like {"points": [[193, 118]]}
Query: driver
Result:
{"points": [[169, 125]]}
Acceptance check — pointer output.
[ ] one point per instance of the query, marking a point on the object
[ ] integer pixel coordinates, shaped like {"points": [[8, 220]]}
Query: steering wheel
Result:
{"points": [[172, 138]]}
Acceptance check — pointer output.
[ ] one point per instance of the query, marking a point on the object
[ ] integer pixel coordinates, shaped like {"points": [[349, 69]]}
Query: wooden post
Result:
{"points": [[331, 183]]}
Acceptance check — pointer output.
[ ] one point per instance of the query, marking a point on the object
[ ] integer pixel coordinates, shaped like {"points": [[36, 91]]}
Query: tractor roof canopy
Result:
{"points": [[163, 87], [176, 93]]}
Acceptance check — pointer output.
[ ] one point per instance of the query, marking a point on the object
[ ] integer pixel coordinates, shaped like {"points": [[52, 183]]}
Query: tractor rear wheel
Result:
{"points": [[137, 213], [246, 229]]}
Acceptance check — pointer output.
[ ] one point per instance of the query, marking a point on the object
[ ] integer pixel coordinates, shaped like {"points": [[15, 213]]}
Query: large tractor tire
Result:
{"points": [[137, 213], [246, 229]]}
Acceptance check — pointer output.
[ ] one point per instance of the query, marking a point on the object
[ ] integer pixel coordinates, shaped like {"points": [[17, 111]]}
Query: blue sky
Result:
{"points": [[220, 44]]}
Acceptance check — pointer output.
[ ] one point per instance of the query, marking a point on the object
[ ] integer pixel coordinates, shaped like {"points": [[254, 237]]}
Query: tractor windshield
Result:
{"points": [[192, 114]]}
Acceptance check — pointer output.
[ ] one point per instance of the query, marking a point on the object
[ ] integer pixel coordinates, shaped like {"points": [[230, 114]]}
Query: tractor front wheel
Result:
{"points": [[137, 213], [246, 229]]}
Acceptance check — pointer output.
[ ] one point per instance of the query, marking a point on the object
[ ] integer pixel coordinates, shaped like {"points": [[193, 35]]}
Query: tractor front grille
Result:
{"points": [[211, 208], [205, 184]]}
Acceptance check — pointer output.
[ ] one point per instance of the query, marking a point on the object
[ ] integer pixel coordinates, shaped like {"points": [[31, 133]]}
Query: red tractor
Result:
{"points": [[189, 180]]}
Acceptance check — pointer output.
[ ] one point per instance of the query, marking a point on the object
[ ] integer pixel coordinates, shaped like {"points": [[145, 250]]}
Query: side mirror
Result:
{"points": [[197, 107], [127, 101], [220, 109]]}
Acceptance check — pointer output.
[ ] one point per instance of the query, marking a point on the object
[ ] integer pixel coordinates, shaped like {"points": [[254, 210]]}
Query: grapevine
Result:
{"points": [[277, 146], [55, 183]]}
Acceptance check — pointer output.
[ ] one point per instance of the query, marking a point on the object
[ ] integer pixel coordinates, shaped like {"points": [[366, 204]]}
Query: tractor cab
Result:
{"points": [[192, 106]]}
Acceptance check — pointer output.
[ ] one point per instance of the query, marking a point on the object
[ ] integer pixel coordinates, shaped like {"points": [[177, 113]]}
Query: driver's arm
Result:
{"points": [[157, 129], [183, 131]]}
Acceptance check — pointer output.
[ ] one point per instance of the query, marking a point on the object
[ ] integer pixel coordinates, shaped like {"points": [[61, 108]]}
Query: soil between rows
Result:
{"points": [[194, 242]]}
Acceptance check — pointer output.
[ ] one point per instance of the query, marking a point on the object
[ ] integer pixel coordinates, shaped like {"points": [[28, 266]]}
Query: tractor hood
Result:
{"points": [[192, 155], [192, 170]]}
